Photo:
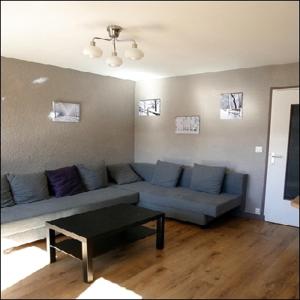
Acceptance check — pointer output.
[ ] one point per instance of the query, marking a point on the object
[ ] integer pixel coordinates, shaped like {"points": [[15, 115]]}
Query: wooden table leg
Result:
{"points": [[50, 245], [87, 261], [160, 232]]}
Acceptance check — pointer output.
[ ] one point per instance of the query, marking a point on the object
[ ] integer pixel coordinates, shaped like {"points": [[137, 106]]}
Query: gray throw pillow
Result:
{"points": [[185, 178], [207, 179], [93, 177], [144, 170], [166, 174], [6, 196], [28, 188], [122, 174]]}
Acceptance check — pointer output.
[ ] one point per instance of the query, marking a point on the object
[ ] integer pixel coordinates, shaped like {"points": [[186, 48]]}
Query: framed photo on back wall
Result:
{"points": [[65, 112], [149, 107], [187, 125]]}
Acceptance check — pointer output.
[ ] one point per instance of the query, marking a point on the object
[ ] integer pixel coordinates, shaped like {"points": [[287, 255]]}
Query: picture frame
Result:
{"points": [[65, 112], [149, 107], [187, 124], [231, 106]]}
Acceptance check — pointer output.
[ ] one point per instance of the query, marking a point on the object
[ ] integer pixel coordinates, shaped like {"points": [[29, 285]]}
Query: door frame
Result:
{"points": [[268, 142]]}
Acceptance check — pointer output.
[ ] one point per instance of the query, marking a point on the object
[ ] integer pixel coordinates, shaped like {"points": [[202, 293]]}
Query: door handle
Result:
{"points": [[273, 156]]}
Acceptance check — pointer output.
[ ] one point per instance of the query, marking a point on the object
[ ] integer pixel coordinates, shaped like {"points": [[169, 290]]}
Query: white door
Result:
{"points": [[277, 209]]}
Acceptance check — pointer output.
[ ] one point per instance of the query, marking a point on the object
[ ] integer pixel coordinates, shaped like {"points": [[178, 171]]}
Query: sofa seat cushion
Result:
{"points": [[23, 217], [184, 199]]}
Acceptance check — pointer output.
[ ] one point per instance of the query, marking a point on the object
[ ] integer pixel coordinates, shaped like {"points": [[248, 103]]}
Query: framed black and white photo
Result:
{"points": [[231, 106], [149, 107], [187, 125], [65, 112]]}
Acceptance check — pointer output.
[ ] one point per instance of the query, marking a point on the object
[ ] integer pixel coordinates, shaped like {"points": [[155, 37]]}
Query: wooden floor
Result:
{"points": [[236, 258]]}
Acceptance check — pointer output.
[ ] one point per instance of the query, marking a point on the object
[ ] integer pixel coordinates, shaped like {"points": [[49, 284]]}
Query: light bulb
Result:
{"points": [[51, 115], [92, 50], [134, 53], [114, 60]]}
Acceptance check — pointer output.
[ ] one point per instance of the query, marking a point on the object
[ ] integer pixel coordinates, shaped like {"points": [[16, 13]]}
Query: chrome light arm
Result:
{"points": [[128, 40], [108, 40], [93, 41]]}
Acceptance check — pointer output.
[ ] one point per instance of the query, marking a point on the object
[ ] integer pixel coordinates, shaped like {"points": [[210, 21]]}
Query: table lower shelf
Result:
{"points": [[101, 245]]}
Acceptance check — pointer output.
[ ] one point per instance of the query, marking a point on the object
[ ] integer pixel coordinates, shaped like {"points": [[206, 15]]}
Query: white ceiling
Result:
{"points": [[178, 38]]}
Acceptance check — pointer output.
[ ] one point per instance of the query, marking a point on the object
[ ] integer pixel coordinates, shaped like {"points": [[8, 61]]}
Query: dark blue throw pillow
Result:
{"points": [[65, 181]]}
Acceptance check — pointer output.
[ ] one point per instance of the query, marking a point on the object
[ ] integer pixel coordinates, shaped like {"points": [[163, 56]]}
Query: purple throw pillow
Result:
{"points": [[65, 181]]}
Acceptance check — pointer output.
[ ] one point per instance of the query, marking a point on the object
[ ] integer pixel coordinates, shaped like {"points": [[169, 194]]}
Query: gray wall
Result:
{"points": [[31, 142], [228, 143]]}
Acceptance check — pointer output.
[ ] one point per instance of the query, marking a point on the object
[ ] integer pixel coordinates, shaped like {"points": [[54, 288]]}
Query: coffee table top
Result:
{"points": [[107, 220]]}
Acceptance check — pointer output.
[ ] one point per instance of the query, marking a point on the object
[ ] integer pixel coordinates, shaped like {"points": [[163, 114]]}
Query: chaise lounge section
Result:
{"points": [[183, 203]]}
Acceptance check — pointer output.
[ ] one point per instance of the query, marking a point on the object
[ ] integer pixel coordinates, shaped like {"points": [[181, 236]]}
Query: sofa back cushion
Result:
{"points": [[6, 196], [166, 174], [185, 178], [122, 173], [235, 183], [144, 170], [207, 179], [93, 178], [28, 188], [65, 181]]}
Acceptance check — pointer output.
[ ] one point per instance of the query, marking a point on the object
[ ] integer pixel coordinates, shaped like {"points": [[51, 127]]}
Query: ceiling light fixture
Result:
{"points": [[114, 60]]}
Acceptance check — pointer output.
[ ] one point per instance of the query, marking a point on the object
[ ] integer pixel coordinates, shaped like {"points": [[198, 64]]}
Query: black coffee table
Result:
{"points": [[95, 232]]}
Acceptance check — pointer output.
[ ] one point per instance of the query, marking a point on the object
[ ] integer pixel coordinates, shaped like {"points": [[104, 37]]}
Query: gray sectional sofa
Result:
{"points": [[24, 223]]}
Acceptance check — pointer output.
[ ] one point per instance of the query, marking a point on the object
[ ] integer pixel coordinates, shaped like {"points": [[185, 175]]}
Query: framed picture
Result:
{"points": [[231, 106], [65, 112], [149, 107], [187, 125]]}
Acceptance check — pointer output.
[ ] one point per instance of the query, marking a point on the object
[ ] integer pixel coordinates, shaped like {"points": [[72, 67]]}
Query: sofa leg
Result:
{"points": [[206, 226]]}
